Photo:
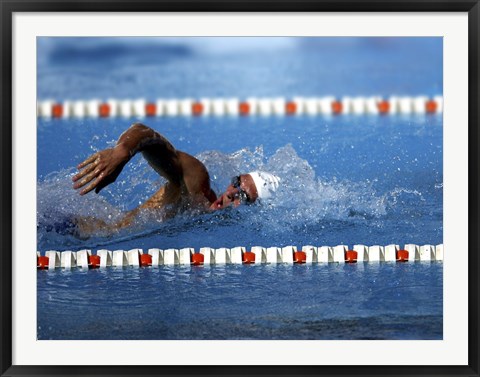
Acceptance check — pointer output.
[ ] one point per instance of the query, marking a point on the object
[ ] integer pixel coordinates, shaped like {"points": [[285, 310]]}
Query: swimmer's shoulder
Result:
{"points": [[196, 176], [192, 167]]}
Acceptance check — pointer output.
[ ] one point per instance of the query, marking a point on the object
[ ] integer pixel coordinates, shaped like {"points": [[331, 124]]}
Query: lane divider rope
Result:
{"points": [[103, 258], [310, 106]]}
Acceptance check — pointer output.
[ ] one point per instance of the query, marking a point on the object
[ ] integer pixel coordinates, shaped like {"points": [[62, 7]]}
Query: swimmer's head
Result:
{"points": [[265, 183], [247, 188]]}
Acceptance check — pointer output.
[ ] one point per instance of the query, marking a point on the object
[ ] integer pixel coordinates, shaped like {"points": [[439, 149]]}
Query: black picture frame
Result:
{"points": [[9, 7]]}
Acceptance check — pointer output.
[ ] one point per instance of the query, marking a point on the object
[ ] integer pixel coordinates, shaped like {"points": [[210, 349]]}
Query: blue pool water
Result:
{"points": [[345, 180], [371, 301]]}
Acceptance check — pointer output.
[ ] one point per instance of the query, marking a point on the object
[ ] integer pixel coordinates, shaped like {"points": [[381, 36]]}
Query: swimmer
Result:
{"points": [[188, 181]]}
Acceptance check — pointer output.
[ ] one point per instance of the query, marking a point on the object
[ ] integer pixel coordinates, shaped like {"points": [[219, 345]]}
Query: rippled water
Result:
{"points": [[371, 301], [345, 180]]}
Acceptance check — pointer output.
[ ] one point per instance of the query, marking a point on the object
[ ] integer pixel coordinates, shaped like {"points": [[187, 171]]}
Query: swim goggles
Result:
{"points": [[242, 195]]}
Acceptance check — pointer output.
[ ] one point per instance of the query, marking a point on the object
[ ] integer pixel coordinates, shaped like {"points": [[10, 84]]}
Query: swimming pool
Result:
{"points": [[349, 179]]}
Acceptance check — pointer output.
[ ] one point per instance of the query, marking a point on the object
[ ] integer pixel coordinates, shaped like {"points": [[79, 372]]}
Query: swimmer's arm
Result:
{"points": [[165, 195], [155, 148], [103, 168]]}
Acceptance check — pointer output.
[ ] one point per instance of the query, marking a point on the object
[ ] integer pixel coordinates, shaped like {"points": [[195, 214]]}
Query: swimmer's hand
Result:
{"points": [[100, 169]]}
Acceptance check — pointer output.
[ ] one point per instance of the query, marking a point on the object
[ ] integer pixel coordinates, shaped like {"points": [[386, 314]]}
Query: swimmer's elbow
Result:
{"points": [[139, 126]]}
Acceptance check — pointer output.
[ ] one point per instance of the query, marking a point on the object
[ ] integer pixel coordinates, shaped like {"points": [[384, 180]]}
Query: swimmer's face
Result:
{"points": [[241, 190]]}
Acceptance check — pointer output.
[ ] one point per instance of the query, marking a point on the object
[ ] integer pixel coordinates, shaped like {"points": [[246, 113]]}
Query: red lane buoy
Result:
{"points": [[244, 108], [104, 110], [57, 110], [299, 257], [197, 108], [337, 107], [150, 109], [42, 263], [145, 260], [248, 257], [197, 259], [383, 107], [290, 108], [402, 256], [93, 261], [351, 256], [430, 106]]}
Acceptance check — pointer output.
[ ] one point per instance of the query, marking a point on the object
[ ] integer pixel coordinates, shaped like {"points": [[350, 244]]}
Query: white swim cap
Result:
{"points": [[266, 183]]}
